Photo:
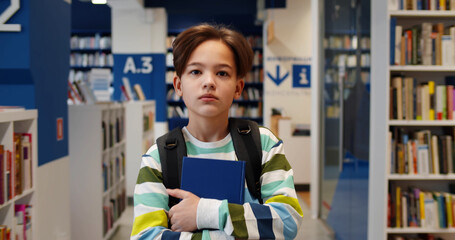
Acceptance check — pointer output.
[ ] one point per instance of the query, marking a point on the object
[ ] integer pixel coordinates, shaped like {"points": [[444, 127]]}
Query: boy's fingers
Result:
{"points": [[177, 193]]}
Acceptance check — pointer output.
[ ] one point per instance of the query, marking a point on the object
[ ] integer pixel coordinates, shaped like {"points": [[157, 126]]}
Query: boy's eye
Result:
{"points": [[223, 74], [195, 72]]}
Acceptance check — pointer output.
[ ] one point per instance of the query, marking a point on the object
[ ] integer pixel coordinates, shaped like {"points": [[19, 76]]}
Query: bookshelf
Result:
{"points": [[89, 50], [11, 123], [411, 154], [140, 136], [97, 162], [250, 104]]}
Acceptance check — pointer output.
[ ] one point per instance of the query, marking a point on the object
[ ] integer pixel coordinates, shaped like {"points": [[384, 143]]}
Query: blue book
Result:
{"points": [[393, 24], [213, 178]]}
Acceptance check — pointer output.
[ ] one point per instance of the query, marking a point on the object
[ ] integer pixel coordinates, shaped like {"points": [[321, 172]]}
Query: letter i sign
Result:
{"points": [[59, 129]]}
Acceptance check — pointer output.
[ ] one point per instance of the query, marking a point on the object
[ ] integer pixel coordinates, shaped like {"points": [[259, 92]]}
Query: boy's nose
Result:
{"points": [[209, 81]]}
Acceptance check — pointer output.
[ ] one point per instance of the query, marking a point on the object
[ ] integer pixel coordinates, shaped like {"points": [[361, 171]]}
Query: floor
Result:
{"points": [[310, 229]]}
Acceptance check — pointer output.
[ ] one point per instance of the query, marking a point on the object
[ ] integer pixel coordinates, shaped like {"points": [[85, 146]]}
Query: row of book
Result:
{"points": [[350, 60], [436, 5], [131, 93], [90, 42], [23, 220], [420, 236], [89, 87], [348, 42], [238, 110], [113, 170], [424, 44], [113, 210], [148, 119], [16, 167], [5, 232], [96, 59], [420, 153], [113, 131], [424, 101], [413, 207]]}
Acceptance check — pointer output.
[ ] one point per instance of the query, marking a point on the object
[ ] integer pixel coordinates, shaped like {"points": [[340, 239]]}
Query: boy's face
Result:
{"points": [[209, 81]]}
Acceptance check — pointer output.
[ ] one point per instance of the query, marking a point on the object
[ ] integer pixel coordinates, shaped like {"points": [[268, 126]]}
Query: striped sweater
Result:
{"points": [[278, 218]]}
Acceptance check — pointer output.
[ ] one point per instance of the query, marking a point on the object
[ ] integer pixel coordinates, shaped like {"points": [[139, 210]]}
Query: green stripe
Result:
{"points": [[238, 220], [277, 162], [267, 142], [156, 156], [223, 213], [270, 188], [196, 236], [206, 235], [147, 174], [195, 150], [157, 200]]}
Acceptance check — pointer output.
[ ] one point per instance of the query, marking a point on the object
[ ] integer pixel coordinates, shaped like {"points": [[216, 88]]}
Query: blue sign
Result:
{"points": [[277, 79], [301, 76], [147, 70]]}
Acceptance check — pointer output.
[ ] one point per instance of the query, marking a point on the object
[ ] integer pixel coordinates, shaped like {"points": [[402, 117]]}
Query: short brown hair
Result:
{"points": [[190, 39]]}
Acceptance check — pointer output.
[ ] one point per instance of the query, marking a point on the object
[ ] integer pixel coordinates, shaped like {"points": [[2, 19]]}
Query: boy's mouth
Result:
{"points": [[208, 97]]}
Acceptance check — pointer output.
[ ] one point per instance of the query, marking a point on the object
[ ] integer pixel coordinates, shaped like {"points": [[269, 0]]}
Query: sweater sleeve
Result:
{"points": [[151, 206], [278, 218]]}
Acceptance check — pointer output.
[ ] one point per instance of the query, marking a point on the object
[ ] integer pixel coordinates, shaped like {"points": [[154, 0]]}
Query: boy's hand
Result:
{"points": [[183, 215]]}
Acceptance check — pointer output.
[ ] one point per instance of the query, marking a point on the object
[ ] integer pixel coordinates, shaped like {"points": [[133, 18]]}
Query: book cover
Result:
{"points": [[393, 23], [213, 178], [17, 164], [139, 93]]}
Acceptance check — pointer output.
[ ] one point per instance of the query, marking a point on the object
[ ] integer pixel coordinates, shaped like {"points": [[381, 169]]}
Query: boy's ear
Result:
{"points": [[239, 85], [178, 85]]}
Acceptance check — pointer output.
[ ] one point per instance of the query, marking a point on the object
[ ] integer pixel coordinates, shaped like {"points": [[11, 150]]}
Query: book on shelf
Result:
{"points": [[410, 100], [422, 44], [139, 93], [128, 90], [214, 178], [412, 207], [23, 227], [435, 5]]}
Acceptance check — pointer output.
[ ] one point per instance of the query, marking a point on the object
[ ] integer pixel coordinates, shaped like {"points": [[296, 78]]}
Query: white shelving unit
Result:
{"points": [[380, 178], [97, 163], [19, 122], [140, 118]]}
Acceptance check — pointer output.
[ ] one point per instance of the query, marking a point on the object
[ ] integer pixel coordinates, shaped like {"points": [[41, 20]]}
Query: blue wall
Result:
{"points": [[34, 69]]}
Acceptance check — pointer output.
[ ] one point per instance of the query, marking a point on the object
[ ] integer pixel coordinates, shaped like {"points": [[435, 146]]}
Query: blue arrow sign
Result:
{"points": [[278, 80]]}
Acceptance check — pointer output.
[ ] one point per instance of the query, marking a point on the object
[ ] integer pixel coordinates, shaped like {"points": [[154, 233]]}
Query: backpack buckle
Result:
{"points": [[171, 143], [244, 130]]}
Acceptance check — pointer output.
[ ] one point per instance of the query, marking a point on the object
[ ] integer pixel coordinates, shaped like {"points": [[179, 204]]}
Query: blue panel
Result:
{"points": [[149, 74], [87, 16], [15, 46], [50, 48], [9, 95]]}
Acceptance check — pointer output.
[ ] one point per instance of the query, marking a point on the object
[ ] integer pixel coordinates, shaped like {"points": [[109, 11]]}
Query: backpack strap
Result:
{"points": [[172, 149], [247, 144]]}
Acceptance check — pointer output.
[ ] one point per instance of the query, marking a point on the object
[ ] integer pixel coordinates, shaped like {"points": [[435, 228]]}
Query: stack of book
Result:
{"points": [[413, 207], [424, 44], [420, 153], [424, 101]]}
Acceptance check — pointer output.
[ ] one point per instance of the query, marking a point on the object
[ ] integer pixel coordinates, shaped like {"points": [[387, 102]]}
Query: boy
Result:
{"points": [[210, 63]]}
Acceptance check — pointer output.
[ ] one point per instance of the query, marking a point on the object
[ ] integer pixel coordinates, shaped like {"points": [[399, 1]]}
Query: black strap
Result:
{"points": [[247, 144], [172, 149]]}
